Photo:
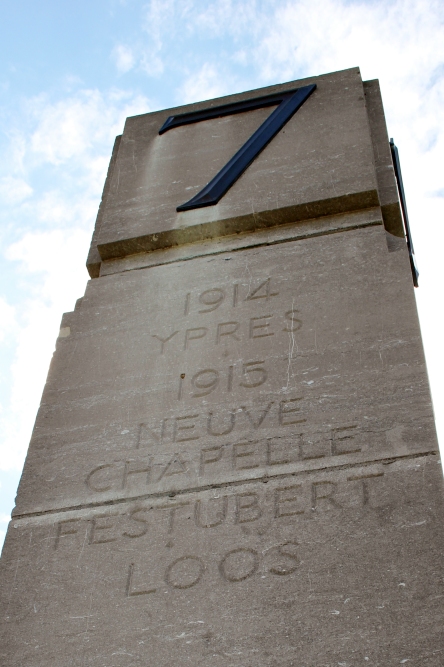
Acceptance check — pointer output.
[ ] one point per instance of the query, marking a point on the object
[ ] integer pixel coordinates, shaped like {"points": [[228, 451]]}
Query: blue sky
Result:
{"points": [[71, 71]]}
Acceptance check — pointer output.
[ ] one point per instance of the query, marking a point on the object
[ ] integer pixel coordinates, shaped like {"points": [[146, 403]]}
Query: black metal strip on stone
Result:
{"points": [[405, 217], [224, 110], [288, 103]]}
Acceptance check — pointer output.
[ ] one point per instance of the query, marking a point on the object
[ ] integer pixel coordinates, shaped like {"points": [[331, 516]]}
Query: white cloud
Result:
{"points": [[202, 85], [54, 255], [7, 318], [16, 151], [71, 127], [4, 520], [124, 58], [67, 145], [64, 128], [56, 209], [158, 15], [73, 135], [53, 264], [14, 190], [314, 36], [151, 63], [145, 57], [232, 17], [145, 54]]}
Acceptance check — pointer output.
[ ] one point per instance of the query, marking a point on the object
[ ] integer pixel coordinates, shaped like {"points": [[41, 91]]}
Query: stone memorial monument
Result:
{"points": [[234, 463]]}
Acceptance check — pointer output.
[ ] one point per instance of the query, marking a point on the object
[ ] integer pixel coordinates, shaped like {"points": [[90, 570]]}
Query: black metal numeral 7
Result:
{"points": [[288, 103]]}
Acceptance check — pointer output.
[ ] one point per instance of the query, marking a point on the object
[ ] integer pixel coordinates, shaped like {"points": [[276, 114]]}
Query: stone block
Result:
{"points": [[385, 175], [234, 462], [94, 260], [312, 167], [330, 567], [287, 357]]}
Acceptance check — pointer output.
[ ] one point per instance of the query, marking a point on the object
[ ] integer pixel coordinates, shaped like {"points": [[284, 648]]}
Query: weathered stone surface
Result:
{"points": [[295, 356], [234, 461], [333, 567], [328, 224], [387, 189], [94, 260], [312, 167]]}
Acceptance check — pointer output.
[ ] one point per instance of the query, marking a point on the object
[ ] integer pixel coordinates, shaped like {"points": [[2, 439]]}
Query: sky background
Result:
{"points": [[72, 70]]}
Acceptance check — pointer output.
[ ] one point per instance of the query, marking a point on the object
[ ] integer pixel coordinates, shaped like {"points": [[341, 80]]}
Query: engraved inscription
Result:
{"points": [[202, 332], [250, 374], [219, 517], [65, 528], [261, 326], [239, 564], [234, 566], [101, 529], [185, 572], [286, 500], [219, 457], [240, 417], [165, 340], [247, 507], [130, 590], [138, 523], [297, 499], [284, 559], [211, 299], [263, 291]]}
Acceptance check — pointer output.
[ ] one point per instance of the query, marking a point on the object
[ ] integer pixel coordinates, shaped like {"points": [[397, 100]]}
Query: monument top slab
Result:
{"points": [[309, 168]]}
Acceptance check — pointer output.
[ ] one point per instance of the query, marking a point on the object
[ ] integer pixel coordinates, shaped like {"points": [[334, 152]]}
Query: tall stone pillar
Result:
{"points": [[235, 462]]}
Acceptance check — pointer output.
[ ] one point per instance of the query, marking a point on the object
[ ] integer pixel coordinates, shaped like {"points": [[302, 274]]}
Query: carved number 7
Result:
{"points": [[289, 101]]}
